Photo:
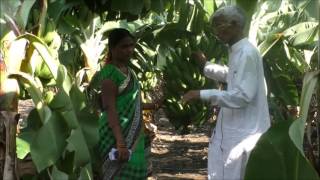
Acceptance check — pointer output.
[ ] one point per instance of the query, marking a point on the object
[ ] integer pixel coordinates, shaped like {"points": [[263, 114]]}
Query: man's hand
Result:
{"points": [[191, 95], [199, 57]]}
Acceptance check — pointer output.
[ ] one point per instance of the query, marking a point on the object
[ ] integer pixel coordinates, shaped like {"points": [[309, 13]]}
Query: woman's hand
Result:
{"points": [[158, 103], [154, 105], [123, 153]]}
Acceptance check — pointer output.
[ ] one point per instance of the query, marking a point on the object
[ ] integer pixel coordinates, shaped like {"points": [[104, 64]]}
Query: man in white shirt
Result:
{"points": [[244, 114]]}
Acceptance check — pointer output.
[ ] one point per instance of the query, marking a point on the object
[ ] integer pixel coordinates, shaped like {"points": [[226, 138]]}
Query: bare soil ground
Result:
{"points": [[175, 156]]}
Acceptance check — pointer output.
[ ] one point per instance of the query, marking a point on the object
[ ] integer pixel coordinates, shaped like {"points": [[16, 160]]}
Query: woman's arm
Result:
{"points": [[109, 94], [154, 105]]}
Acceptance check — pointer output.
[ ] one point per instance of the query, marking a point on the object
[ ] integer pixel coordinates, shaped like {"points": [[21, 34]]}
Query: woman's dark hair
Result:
{"points": [[116, 35]]}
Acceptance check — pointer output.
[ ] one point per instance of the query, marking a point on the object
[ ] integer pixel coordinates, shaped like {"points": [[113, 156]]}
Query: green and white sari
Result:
{"points": [[128, 105]]}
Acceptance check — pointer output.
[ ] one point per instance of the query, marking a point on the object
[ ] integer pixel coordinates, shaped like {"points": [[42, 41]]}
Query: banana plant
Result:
{"points": [[10, 61], [189, 32], [296, 40], [180, 75], [56, 118], [281, 147]]}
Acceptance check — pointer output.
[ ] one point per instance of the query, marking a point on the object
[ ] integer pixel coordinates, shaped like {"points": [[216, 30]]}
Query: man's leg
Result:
{"points": [[237, 154], [215, 160]]}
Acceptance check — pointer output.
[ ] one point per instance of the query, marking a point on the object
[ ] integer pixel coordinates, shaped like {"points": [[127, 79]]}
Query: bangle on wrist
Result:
{"points": [[124, 147], [121, 145]]}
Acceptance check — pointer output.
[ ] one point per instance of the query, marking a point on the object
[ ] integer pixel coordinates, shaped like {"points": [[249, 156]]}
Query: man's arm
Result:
{"points": [[243, 91], [244, 87], [216, 71], [211, 70]]}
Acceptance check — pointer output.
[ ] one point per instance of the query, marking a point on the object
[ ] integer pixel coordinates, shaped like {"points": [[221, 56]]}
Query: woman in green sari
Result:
{"points": [[120, 123]]}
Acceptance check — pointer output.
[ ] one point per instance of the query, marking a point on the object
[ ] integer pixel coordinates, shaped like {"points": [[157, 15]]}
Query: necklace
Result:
{"points": [[123, 70]]}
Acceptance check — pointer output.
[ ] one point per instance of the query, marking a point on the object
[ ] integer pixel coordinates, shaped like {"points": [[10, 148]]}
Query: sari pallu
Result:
{"points": [[128, 105]]}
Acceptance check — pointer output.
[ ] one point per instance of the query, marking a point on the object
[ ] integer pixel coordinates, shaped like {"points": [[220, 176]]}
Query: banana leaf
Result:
{"points": [[297, 129], [276, 157]]}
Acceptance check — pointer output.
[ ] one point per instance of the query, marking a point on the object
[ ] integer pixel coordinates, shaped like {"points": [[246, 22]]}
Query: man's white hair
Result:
{"points": [[231, 13]]}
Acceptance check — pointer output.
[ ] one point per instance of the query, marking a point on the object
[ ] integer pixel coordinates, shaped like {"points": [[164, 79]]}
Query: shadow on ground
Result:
{"points": [[175, 156]]}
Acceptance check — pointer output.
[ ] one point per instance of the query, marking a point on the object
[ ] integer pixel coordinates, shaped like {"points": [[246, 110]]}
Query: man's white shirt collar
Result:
{"points": [[236, 46]]}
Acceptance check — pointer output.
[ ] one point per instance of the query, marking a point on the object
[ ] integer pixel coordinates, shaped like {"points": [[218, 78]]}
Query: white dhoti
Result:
{"points": [[227, 158]]}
